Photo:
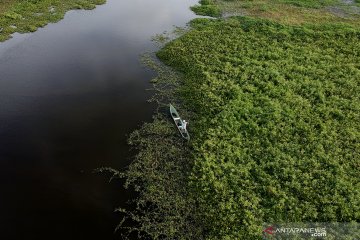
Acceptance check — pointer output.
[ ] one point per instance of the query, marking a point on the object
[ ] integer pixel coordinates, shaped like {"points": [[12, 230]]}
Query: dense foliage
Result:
{"points": [[207, 8], [276, 133], [299, 3], [27, 16], [164, 208], [294, 11], [310, 3]]}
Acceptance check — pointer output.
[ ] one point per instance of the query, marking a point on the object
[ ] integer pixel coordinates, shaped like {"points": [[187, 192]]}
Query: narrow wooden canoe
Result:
{"points": [[179, 123]]}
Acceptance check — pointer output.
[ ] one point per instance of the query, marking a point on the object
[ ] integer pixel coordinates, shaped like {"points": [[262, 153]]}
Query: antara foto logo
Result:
{"points": [[269, 231]]}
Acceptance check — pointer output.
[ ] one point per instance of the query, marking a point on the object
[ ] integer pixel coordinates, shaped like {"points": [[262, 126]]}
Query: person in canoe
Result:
{"points": [[183, 125], [180, 123]]}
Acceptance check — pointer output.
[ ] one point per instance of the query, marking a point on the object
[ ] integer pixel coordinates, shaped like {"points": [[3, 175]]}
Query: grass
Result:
{"points": [[28, 16]]}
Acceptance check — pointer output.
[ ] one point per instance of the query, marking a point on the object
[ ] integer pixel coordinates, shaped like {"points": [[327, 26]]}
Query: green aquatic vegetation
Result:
{"points": [[207, 8], [275, 127], [28, 16], [273, 111], [310, 3], [163, 208], [294, 12]]}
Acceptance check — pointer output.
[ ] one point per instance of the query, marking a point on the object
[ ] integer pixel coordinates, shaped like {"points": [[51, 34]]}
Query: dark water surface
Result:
{"points": [[69, 95]]}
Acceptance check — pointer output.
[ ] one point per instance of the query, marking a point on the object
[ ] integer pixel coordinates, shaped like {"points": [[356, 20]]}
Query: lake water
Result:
{"points": [[70, 94]]}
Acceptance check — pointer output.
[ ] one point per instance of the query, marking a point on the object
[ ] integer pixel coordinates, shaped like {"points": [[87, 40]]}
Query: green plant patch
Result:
{"points": [[28, 16], [207, 10], [310, 3], [275, 134], [294, 12]]}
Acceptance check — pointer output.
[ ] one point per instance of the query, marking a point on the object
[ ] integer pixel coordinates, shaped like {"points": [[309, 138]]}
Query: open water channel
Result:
{"points": [[70, 94]]}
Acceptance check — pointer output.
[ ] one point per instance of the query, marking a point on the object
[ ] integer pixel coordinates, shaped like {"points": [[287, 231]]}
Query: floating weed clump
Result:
{"points": [[28, 16], [164, 207], [207, 8]]}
